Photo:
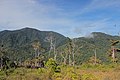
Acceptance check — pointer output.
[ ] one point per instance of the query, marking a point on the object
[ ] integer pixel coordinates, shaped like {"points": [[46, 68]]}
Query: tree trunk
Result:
{"points": [[1, 62], [95, 56], [73, 53], [69, 60], [55, 54], [73, 59], [65, 61], [35, 52], [113, 53], [64, 58]]}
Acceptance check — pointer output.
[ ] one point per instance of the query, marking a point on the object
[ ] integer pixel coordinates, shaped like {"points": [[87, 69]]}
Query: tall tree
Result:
{"points": [[64, 56], [95, 53], [114, 49], [70, 48], [94, 48], [75, 49], [64, 53], [37, 47], [69, 51], [1, 56], [52, 41]]}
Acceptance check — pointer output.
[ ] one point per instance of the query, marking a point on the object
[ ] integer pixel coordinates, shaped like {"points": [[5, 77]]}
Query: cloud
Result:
{"points": [[28, 13], [89, 35], [90, 26], [100, 4], [16, 14], [48, 15]]}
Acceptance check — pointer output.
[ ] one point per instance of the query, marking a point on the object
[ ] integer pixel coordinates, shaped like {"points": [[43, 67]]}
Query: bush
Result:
{"points": [[70, 74], [51, 64], [89, 77], [2, 75]]}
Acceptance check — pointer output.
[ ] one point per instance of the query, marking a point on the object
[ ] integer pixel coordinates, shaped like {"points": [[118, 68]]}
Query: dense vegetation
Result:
{"points": [[18, 43], [45, 55], [52, 71]]}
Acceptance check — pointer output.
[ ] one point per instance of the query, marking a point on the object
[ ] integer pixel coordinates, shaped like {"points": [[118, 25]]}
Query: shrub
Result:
{"points": [[51, 64], [89, 77]]}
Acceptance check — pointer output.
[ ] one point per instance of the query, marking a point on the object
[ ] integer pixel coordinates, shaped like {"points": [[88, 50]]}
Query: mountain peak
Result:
{"points": [[27, 28], [100, 34]]}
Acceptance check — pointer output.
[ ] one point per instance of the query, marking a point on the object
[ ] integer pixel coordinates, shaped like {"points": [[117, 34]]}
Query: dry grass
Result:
{"points": [[102, 75], [67, 73]]}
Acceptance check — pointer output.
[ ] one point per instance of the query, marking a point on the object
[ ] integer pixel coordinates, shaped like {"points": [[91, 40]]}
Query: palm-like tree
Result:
{"points": [[114, 49], [37, 47]]}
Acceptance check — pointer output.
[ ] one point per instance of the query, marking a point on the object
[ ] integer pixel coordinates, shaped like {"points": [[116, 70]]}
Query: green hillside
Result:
{"points": [[18, 43], [99, 41], [83, 58]]}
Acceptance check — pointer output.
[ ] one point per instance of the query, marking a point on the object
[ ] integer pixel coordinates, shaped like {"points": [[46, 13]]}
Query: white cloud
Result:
{"points": [[101, 4], [16, 14], [28, 12]]}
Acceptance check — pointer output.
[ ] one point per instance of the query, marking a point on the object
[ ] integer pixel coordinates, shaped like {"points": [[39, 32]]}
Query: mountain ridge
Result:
{"points": [[19, 40], [18, 43]]}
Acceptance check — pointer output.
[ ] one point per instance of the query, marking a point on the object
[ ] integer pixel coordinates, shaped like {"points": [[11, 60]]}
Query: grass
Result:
{"points": [[84, 72]]}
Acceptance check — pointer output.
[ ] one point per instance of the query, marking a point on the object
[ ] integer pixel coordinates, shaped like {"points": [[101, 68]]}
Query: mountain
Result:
{"points": [[18, 42], [98, 40]]}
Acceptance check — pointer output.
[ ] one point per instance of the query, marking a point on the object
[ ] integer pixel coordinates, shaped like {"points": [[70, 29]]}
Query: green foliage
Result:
{"points": [[19, 42], [85, 48], [89, 77], [66, 73], [2, 75], [51, 64], [71, 74], [57, 76]]}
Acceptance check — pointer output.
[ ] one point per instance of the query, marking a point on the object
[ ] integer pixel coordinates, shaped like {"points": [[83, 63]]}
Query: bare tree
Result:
{"points": [[54, 49], [64, 57], [95, 56], [69, 50], [95, 53], [73, 51], [52, 40], [63, 51], [37, 47]]}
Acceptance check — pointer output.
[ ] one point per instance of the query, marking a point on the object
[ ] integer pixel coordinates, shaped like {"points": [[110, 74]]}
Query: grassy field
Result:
{"points": [[84, 72]]}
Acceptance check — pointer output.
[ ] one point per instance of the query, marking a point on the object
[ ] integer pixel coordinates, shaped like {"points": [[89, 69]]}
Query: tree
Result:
{"points": [[52, 40], [54, 48], [113, 50], [1, 56], [64, 53], [94, 61], [68, 51], [37, 47], [70, 48], [75, 49], [94, 58]]}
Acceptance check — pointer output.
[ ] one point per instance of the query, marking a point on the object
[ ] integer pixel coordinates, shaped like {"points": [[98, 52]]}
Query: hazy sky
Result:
{"points": [[71, 18]]}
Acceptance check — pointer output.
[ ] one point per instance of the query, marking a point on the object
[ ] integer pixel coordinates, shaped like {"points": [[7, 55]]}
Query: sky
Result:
{"points": [[72, 18]]}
